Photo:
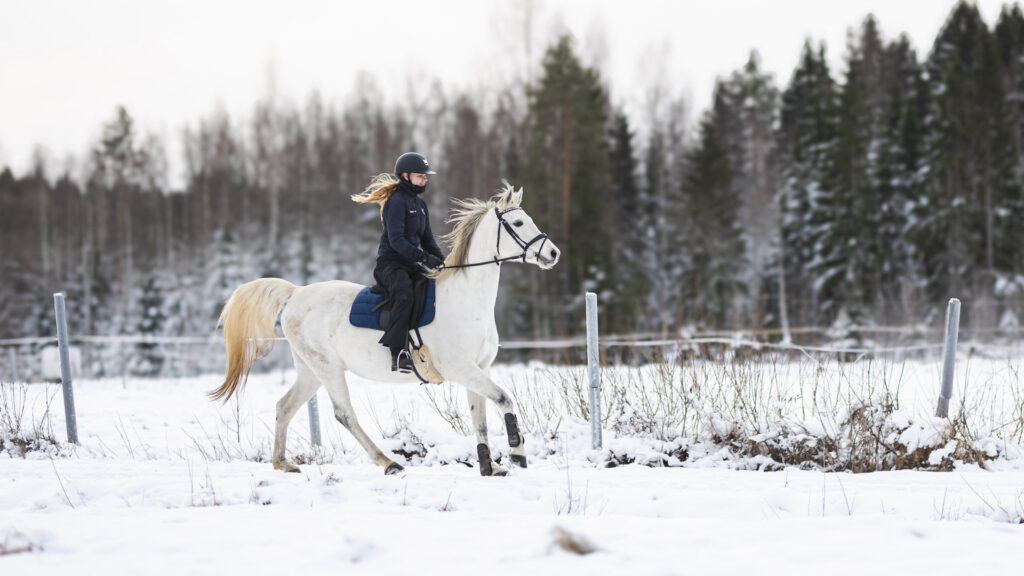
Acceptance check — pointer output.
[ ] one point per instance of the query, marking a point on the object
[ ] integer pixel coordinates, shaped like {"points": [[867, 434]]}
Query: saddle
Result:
{"points": [[372, 308]]}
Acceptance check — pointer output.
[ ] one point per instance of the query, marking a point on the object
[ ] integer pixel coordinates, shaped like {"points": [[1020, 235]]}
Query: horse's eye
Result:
{"points": [[517, 223]]}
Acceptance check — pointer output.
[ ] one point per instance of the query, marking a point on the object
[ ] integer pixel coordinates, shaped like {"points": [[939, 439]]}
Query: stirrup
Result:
{"points": [[402, 362]]}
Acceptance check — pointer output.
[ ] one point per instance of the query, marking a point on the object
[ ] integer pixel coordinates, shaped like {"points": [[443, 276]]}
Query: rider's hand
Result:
{"points": [[431, 263]]}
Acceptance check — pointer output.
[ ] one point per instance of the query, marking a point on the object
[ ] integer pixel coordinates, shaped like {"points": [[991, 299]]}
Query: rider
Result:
{"points": [[407, 247]]}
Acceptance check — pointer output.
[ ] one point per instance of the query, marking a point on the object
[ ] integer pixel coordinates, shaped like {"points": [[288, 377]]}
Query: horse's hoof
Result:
{"points": [[518, 459], [393, 468], [499, 471], [286, 467]]}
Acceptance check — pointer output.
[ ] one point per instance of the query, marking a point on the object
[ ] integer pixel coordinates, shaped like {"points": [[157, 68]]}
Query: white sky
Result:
{"points": [[65, 65]]}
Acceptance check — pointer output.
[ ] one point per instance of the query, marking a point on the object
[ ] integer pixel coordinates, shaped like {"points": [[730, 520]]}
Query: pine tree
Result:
{"points": [[118, 173], [746, 107], [223, 272], [806, 136], [966, 224], [896, 175], [714, 240], [149, 358], [845, 217], [1009, 37], [664, 212], [567, 179], [632, 284], [1009, 33]]}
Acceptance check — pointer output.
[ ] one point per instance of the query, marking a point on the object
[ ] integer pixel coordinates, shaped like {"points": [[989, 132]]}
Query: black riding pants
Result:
{"points": [[397, 278]]}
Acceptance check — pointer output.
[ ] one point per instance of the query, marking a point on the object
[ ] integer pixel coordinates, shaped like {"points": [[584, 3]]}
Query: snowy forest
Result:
{"points": [[864, 196]]}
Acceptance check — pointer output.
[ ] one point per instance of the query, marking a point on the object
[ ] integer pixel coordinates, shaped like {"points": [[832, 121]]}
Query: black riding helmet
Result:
{"points": [[413, 163]]}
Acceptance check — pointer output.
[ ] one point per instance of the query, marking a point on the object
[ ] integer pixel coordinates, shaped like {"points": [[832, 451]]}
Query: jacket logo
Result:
{"points": [[412, 211]]}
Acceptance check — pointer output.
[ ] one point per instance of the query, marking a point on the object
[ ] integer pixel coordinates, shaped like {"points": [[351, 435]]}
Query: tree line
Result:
{"points": [[856, 197]]}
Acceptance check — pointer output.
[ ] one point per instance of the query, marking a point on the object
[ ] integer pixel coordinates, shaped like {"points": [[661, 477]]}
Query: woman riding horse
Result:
{"points": [[326, 346], [407, 247]]}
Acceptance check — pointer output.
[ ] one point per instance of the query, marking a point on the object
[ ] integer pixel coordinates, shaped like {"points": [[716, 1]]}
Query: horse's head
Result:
{"points": [[495, 231], [518, 235]]}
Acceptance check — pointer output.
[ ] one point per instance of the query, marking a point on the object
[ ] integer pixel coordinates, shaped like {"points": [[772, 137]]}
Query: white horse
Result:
{"points": [[463, 337]]}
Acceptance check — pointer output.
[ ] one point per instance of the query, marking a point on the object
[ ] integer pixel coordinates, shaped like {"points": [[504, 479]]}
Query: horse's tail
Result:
{"points": [[248, 320]]}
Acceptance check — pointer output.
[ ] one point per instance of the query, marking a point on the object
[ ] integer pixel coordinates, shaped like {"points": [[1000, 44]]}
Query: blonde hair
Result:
{"points": [[381, 187]]}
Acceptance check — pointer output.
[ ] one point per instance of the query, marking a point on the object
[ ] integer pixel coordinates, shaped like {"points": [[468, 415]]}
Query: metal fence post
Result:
{"points": [[14, 363], [593, 369], [70, 420], [949, 357], [314, 421]]}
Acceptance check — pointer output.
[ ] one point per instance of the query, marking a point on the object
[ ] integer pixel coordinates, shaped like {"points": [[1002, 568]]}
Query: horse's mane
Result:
{"points": [[465, 215]]}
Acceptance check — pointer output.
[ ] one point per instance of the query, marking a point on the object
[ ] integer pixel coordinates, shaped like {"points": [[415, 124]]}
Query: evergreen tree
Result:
{"points": [[567, 178], [1009, 33], [967, 222], [223, 272], [806, 136], [714, 240], [149, 359], [896, 175], [629, 219], [746, 107], [845, 216], [118, 173]]}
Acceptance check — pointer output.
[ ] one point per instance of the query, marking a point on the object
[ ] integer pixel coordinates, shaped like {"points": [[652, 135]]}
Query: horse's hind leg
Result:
{"points": [[478, 409], [337, 388], [306, 384]]}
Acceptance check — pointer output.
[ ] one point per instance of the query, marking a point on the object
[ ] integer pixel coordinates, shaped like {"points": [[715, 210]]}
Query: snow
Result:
{"points": [[165, 482]]}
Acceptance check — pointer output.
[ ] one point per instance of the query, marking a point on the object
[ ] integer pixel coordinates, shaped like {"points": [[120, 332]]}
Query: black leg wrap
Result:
{"points": [[512, 427], [518, 460], [483, 453], [393, 468]]}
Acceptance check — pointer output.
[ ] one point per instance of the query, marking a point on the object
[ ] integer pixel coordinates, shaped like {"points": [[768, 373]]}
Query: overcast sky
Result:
{"points": [[65, 65]]}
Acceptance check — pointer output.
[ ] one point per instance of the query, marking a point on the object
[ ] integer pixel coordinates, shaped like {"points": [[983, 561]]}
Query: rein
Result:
{"points": [[515, 237]]}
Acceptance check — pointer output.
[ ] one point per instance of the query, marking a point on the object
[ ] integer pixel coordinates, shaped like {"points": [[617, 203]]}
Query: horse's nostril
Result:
{"points": [[554, 253]]}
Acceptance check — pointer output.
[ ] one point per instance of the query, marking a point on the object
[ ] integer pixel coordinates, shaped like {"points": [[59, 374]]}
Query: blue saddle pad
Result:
{"points": [[364, 316]]}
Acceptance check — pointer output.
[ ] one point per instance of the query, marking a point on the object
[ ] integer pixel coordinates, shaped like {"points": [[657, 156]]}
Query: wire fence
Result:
{"points": [[113, 355]]}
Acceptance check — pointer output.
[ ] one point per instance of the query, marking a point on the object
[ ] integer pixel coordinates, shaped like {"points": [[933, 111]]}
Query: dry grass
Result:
{"points": [[816, 413], [26, 427]]}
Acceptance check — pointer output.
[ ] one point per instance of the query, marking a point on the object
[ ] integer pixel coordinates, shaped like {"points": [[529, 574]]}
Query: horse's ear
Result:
{"points": [[508, 195], [517, 197]]}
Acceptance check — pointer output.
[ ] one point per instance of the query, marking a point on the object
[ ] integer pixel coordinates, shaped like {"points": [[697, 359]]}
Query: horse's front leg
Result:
{"points": [[476, 380], [478, 409]]}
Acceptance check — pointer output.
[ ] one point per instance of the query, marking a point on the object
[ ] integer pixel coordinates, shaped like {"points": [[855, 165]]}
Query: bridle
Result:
{"points": [[515, 237]]}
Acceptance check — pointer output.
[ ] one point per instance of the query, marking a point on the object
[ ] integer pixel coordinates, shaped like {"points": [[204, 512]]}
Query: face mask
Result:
{"points": [[407, 185]]}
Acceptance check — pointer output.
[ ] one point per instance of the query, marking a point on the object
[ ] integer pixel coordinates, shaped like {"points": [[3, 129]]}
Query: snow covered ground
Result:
{"points": [[164, 482]]}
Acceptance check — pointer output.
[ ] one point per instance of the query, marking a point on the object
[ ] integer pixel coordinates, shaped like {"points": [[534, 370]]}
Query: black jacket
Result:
{"points": [[407, 232]]}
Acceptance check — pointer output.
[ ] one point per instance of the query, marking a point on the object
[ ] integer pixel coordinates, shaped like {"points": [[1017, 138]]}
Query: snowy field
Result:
{"points": [[165, 482]]}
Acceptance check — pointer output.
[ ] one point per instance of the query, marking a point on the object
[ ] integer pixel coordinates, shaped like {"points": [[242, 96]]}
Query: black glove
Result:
{"points": [[431, 263]]}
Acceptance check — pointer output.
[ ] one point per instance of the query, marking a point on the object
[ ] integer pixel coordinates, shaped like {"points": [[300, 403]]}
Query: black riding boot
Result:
{"points": [[401, 361]]}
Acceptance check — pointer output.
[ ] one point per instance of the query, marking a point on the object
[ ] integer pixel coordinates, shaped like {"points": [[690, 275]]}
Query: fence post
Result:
{"points": [[124, 366], [949, 357], [594, 370], [70, 420], [314, 421], [14, 364]]}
